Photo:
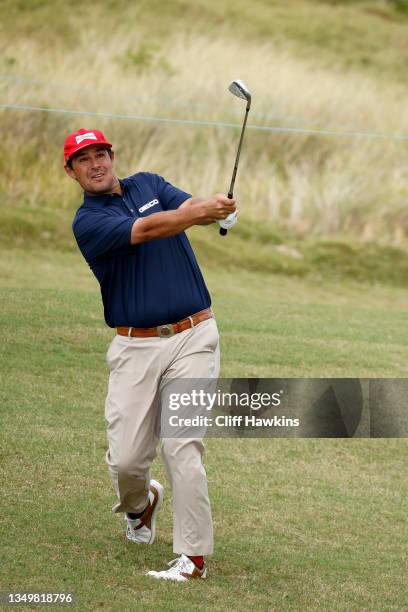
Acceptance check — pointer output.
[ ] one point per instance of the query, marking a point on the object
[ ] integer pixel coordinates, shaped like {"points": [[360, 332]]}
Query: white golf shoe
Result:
{"points": [[181, 570], [143, 529]]}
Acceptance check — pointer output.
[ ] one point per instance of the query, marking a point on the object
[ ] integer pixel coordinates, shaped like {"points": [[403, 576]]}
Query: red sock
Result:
{"points": [[198, 561]]}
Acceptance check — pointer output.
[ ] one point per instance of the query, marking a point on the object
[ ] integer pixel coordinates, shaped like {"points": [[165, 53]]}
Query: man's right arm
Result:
{"points": [[194, 211]]}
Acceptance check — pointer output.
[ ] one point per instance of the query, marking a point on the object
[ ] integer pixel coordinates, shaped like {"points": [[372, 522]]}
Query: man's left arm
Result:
{"points": [[191, 202]]}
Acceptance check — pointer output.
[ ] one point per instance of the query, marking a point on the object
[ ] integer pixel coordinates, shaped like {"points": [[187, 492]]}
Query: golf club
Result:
{"points": [[239, 89]]}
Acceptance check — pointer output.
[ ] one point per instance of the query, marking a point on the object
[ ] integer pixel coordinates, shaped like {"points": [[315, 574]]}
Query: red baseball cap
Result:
{"points": [[81, 139]]}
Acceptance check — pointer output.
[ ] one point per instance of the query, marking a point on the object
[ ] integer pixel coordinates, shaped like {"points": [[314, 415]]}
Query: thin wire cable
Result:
{"points": [[22, 80], [311, 126], [264, 128], [280, 116]]}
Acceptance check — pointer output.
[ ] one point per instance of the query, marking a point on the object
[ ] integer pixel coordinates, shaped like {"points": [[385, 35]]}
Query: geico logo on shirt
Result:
{"points": [[87, 136], [148, 205]]}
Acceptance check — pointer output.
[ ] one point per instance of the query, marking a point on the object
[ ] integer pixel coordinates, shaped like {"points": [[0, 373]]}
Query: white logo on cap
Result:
{"points": [[87, 136]]}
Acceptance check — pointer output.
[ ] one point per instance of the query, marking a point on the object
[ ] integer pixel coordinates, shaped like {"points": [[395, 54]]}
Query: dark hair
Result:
{"points": [[70, 160]]}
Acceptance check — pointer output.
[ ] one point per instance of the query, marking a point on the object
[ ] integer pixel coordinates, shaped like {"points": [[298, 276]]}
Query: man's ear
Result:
{"points": [[70, 172]]}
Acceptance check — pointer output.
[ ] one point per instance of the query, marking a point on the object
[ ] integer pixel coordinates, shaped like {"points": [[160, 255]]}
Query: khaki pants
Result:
{"points": [[139, 368]]}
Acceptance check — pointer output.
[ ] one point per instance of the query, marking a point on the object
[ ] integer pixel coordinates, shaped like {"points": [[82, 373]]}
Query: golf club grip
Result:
{"points": [[223, 232]]}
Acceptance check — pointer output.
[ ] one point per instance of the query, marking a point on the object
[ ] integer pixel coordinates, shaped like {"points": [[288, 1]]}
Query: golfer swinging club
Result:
{"points": [[131, 233]]}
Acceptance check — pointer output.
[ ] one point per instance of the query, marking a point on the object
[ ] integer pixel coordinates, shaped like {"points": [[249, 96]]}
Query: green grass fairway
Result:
{"points": [[300, 524], [270, 325]]}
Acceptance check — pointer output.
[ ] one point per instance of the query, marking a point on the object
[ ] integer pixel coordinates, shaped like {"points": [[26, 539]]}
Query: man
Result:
{"points": [[131, 233]]}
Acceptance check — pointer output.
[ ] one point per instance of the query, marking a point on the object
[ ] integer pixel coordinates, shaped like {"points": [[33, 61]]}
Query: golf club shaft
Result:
{"points": [[234, 174], [223, 231]]}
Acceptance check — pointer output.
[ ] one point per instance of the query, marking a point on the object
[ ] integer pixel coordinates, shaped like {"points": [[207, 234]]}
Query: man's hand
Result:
{"points": [[211, 210]]}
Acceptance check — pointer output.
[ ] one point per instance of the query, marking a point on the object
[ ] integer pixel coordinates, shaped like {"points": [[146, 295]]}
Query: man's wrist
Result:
{"points": [[193, 213]]}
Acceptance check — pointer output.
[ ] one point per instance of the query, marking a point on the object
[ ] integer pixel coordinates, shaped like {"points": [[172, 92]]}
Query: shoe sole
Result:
{"points": [[160, 494]]}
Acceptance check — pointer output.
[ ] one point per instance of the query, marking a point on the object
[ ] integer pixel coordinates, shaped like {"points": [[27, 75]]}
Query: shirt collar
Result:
{"points": [[104, 199]]}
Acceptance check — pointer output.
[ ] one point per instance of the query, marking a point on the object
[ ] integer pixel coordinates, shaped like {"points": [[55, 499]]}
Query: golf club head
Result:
{"points": [[239, 89]]}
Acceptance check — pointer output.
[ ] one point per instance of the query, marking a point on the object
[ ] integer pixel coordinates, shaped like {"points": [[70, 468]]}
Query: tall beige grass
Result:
{"points": [[310, 184]]}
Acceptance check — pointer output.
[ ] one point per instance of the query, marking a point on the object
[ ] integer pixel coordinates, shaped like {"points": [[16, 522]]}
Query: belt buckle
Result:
{"points": [[165, 331]]}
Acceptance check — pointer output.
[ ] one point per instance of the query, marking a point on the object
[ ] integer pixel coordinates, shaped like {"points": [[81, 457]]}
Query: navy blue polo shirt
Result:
{"points": [[145, 284]]}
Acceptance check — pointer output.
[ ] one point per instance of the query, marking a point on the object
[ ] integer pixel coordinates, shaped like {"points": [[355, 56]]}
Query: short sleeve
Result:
{"points": [[99, 234], [170, 197]]}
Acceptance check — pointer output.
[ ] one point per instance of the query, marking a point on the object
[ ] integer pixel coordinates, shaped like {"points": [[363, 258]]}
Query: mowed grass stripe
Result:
{"points": [[56, 330]]}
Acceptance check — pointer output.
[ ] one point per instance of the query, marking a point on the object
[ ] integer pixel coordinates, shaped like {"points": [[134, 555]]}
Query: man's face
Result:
{"points": [[93, 169]]}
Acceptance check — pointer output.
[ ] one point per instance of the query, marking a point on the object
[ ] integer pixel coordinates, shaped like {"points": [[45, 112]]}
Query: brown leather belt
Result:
{"points": [[165, 331]]}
